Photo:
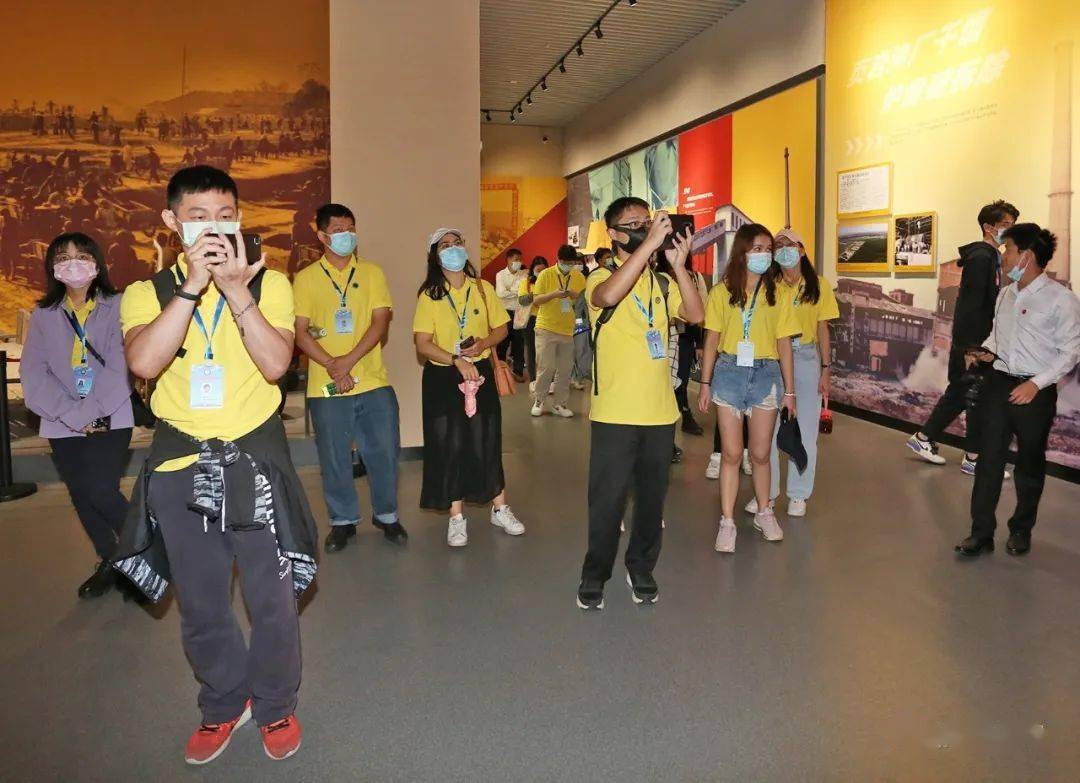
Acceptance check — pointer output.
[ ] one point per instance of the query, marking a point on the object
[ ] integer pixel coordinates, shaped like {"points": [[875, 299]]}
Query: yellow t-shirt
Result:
{"points": [[767, 325], [631, 386], [809, 314], [557, 315], [249, 398], [525, 290], [81, 315], [441, 318], [318, 301]]}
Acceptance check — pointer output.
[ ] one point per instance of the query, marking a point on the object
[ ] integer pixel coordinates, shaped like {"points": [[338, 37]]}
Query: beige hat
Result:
{"points": [[790, 234], [440, 233]]}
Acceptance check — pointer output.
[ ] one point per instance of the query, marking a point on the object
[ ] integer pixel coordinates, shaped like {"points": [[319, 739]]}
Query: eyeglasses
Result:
{"points": [[635, 225]]}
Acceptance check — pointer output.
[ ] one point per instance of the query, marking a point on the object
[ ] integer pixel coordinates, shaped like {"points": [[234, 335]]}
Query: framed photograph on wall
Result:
{"points": [[914, 245], [862, 246], [864, 192]]}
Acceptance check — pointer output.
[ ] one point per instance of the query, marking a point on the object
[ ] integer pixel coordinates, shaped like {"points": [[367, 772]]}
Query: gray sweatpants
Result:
{"points": [[202, 566]]}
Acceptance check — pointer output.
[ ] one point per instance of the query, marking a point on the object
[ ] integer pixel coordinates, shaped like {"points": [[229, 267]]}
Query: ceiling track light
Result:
{"points": [[599, 32], [543, 84], [512, 117], [562, 66], [528, 99], [632, 3], [487, 116], [580, 49]]}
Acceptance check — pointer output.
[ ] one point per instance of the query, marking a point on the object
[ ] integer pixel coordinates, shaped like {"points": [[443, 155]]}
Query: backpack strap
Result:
{"points": [[664, 284]]}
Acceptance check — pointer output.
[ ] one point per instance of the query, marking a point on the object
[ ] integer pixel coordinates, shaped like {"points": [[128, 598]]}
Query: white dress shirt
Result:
{"points": [[1036, 331], [507, 284]]}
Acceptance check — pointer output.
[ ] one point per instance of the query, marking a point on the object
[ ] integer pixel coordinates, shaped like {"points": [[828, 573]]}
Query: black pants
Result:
{"points": [[201, 562], [91, 468], [515, 344], [530, 347], [951, 404], [688, 343], [1002, 420], [625, 457]]}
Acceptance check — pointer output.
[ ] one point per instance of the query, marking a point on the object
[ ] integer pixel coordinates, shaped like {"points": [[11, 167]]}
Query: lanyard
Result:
{"points": [[647, 313], [748, 315], [79, 332], [208, 354], [335, 285], [463, 316], [798, 295], [564, 284]]}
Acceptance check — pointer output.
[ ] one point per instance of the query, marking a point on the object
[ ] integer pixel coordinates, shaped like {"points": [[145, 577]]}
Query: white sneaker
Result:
{"points": [[765, 521], [563, 411], [796, 508], [456, 535], [926, 449], [967, 467], [504, 518], [538, 408], [752, 507], [712, 470], [747, 468], [725, 537]]}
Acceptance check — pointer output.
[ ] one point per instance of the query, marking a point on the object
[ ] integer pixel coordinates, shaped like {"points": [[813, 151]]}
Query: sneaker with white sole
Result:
{"points": [[590, 595], [504, 518], [712, 470], [796, 507], [643, 588], [456, 532], [926, 449], [562, 412], [967, 467], [752, 506], [725, 537], [747, 466], [538, 408], [765, 522]]}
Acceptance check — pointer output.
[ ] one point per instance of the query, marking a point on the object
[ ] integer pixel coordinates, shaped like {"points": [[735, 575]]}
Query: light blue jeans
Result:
{"points": [[370, 420], [808, 404]]}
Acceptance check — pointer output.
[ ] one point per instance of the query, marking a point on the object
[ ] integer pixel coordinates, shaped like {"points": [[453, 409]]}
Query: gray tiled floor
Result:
{"points": [[858, 649]]}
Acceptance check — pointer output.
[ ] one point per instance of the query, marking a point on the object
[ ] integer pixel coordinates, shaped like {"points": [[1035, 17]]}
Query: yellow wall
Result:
{"points": [[759, 134]]}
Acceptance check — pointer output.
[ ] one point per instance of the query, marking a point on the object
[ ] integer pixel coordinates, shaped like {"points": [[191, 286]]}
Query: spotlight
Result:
{"points": [[528, 99], [512, 117], [580, 50], [543, 84], [487, 116], [562, 66], [599, 32], [632, 3]]}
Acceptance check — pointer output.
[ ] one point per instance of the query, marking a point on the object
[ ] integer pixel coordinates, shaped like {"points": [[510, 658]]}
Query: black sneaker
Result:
{"points": [[99, 583], [395, 533], [590, 595], [338, 537], [676, 455], [643, 588], [690, 425]]}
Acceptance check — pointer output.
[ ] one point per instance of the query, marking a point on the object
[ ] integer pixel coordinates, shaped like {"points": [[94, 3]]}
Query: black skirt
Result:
{"points": [[462, 456]]}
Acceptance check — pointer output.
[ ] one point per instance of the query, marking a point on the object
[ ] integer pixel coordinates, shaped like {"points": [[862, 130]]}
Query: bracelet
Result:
{"points": [[789, 394], [238, 316], [185, 295]]}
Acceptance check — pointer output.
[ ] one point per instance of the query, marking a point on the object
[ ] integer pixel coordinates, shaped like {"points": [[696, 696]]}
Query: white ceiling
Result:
{"points": [[520, 40]]}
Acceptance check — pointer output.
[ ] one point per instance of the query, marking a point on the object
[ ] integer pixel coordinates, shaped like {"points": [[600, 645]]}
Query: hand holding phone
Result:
{"points": [[680, 224]]}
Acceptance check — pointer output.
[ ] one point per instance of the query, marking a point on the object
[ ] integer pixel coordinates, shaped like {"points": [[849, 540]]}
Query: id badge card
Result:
{"points": [[84, 379], [343, 321], [657, 349], [566, 307], [207, 386], [796, 342], [744, 355]]}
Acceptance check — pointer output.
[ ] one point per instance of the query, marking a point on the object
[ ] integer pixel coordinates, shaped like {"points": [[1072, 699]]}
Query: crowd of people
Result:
{"points": [[760, 336]]}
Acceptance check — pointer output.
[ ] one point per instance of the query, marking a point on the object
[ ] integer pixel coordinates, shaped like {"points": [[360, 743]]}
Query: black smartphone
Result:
{"points": [[468, 342], [252, 246], [679, 224]]}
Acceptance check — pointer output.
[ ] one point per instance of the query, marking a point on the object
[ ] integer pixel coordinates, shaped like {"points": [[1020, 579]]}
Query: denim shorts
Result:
{"points": [[744, 388]]}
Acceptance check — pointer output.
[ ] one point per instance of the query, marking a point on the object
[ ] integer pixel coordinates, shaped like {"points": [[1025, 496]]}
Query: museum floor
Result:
{"points": [[858, 649]]}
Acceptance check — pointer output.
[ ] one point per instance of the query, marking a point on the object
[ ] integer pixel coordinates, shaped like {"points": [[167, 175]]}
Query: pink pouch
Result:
{"points": [[468, 388]]}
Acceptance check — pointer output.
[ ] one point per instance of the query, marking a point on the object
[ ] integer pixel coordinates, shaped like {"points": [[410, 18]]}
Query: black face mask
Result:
{"points": [[636, 238]]}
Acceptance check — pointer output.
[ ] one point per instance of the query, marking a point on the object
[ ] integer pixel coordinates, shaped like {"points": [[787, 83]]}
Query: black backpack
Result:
{"points": [[664, 282]]}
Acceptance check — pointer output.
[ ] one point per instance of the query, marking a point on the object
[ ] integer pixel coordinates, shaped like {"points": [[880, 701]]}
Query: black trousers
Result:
{"points": [[91, 468], [626, 457], [688, 343], [1002, 420], [530, 347], [952, 403], [514, 343], [201, 561]]}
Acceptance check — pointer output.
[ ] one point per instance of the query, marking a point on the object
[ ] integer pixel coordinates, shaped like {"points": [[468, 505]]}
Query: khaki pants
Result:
{"points": [[555, 357]]}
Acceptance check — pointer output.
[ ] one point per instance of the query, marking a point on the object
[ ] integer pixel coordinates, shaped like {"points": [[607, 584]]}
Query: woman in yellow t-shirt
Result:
{"points": [[747, 355], [458, 321], [538, 265]]}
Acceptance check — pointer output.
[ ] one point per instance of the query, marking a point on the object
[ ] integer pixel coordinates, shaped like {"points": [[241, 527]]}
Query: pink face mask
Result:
{"points": [[76, 273]]}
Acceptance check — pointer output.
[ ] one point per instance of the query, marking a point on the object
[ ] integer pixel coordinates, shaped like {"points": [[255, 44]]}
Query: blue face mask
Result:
{"points": [[1015, 273], [787, 257], [758, 263], [454, 258], [343, 243]]}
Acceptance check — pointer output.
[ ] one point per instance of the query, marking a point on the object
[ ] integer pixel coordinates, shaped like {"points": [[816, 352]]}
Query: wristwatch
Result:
{"points": [[185, 295]]}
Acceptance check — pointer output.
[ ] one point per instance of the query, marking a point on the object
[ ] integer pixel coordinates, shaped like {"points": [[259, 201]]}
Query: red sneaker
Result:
{"points": [[282, 739], [209, 741]]}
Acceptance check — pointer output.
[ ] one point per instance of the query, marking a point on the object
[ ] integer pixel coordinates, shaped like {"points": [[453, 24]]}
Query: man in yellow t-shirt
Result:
{"points": [[556, 290], [343, 312], [633, 404], [218, 487]]}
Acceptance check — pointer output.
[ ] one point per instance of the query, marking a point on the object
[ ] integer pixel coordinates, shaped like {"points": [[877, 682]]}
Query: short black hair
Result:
{"points": [[1030, 236], [198, 179], [568, 253], [992, 213], [601, 252], [614, 211], [513, 252], [327, 211]]}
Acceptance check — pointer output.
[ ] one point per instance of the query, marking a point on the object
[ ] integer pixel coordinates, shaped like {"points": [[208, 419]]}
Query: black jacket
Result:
{"points": [[974, 317]]}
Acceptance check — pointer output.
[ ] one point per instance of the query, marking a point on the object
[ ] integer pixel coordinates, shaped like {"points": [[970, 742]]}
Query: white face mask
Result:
{"points": [[191, 230], [515, 266]]}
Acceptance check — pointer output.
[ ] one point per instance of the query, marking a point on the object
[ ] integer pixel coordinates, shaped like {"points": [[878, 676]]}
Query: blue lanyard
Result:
{"points": [[748, 315], [208, 354], [463, 316], [335, 285], [79, 332], [647, 313]]}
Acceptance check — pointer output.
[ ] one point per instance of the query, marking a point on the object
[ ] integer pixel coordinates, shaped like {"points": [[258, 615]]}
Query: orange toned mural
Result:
{"points": [[528, 213]]}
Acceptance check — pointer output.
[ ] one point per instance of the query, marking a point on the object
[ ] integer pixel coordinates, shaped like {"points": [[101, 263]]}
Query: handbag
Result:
{"points": [[504, 380], [825, 422]]}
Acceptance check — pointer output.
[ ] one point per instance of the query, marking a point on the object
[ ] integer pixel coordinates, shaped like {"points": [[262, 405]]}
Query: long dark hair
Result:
{"points": [[55, 291], [435, 285], [735, 274], [811, 287], [537, 261]]}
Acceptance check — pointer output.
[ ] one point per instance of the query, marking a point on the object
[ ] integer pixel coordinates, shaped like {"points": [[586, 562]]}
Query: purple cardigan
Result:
{"points": [[47, 380]]}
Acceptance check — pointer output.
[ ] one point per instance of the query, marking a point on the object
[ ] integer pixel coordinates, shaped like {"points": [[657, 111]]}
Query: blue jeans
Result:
{"points": [[370, 420], [808, 405], [746, 388]]}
